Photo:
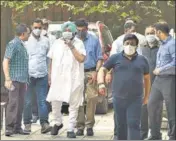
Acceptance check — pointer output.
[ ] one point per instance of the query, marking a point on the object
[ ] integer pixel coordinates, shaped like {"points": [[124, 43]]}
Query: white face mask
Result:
{"points": [[67, 35], [44, 32], [129, 50], [37, 32], [152, 41]]}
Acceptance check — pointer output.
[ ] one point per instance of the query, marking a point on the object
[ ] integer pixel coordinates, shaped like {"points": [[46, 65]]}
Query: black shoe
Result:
{"points": [[45, 128], [21, 132], [153, 138], [34, 119], [8, 133], [80, 132], [90, 132], [71, 135], [55, 129]]}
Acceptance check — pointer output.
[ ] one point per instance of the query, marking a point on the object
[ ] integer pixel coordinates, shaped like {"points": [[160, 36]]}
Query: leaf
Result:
{"points": [[124, 15]]}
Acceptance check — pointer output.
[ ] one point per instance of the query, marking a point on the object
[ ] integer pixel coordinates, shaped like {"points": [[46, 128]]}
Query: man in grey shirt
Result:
{"points": [[150, 52], [37, 48]]}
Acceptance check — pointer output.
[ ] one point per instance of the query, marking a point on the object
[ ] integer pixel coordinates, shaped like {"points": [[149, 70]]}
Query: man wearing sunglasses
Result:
{"points": [[37, 48]]}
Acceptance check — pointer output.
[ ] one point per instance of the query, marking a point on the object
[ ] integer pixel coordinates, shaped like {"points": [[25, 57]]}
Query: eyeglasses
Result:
{"points": [[37, 27]]}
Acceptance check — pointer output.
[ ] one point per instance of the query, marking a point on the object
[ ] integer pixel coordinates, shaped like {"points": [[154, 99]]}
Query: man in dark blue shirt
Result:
{"points": [[130, 71], [163, 86]]}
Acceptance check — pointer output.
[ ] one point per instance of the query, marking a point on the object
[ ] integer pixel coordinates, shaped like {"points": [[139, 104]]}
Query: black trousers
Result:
{"points": [[15, 106], [163, 88]]}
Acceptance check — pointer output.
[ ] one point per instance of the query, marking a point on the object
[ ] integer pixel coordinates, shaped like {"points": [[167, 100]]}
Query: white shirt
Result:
{"points": [[37, 50]]}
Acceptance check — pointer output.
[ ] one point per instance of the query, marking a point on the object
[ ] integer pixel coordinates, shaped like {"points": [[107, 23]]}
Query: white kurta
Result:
{"points": [[67, 74]]}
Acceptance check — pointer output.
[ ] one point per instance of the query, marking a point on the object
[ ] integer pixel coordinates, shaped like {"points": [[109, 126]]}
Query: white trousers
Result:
{"points": [[73, 111]]}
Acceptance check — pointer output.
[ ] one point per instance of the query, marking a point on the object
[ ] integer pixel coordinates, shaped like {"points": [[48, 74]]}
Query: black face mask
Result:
{"points": [[82, 34]]}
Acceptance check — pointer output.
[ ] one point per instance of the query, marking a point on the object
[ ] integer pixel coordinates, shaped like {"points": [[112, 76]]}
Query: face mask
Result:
{"points": [[129, 50], [37, 32], [44, 32], [82, 34], [67, 35], [152, 41]]}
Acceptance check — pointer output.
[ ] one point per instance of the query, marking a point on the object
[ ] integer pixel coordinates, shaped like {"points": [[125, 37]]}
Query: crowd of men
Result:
{"points": [[42, 72]]}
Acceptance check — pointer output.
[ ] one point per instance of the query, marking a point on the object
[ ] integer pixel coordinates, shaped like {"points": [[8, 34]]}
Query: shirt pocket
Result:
{"points": [[43, 49]]}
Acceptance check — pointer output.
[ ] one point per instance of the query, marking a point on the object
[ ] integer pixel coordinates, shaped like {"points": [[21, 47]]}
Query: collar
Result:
{"points": [[166, 40], [19, 40], [133, 57]]}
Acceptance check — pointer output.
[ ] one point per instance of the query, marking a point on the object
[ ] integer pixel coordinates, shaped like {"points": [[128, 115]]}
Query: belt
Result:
{"points": [[91, 69]]}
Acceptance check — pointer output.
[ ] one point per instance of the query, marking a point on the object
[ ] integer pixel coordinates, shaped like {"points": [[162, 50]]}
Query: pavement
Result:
{"points": [[103, 130]]}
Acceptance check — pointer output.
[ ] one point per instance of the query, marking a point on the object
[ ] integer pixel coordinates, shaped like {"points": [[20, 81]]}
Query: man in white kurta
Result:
{"points": [[67, 80]]}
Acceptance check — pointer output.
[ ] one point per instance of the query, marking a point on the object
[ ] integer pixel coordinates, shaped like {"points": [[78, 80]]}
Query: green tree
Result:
{"points": [[119, 10]]}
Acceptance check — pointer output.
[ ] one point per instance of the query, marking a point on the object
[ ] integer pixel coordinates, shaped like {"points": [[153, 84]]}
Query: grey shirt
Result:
{"points": [[37, 51], [151, 54]]}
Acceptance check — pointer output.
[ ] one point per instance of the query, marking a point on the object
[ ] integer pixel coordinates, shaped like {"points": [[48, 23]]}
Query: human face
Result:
{"points": [[36, 29], [130, 30], [158, 35], [150, 37], [130, 47], [82, 32], [149, 31], [25, 35]]}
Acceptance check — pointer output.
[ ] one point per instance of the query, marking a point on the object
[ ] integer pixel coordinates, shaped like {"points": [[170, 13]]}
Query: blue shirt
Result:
{"points": [[18, 66], [93, 51], [38, 62], [128, 75], [166, 57]]}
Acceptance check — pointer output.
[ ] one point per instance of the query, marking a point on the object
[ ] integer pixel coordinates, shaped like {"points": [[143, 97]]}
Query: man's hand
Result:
{"points": [[108, 78], [145, 101], [102, 89], [69, 43], [156, 71], [94, 77], [8, 84]]}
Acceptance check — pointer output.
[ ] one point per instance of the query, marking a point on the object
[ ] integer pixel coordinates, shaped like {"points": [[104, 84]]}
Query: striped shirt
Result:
{"points": [[17, 53]]}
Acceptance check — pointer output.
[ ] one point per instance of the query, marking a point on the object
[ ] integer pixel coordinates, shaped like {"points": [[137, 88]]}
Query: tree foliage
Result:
{"points": [[119, 10], [115, 7]]}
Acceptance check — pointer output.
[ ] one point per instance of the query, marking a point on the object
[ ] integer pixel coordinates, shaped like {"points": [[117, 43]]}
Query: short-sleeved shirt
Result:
{"points": [[128, 75], [37, 50], [17, 53], [93, 51]]}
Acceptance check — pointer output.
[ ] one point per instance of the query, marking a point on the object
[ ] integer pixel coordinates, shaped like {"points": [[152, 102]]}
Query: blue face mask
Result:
{"points": [[82, 34]]}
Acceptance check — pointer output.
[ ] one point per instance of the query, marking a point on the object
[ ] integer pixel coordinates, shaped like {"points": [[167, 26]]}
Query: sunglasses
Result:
{"points": [[37, 27]]}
